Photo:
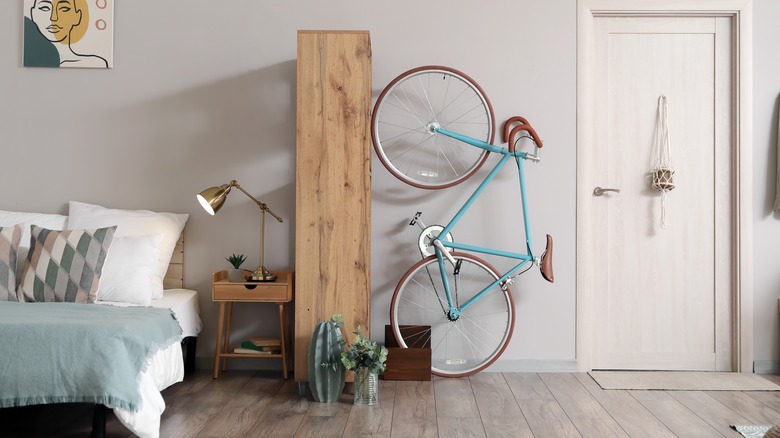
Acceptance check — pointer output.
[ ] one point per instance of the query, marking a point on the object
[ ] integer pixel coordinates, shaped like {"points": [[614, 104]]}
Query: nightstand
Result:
{"points": [[226, 293]]}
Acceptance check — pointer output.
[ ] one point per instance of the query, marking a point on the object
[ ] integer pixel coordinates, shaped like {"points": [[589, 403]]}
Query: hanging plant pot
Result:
{"points": [[662, 172], [663, 179]]}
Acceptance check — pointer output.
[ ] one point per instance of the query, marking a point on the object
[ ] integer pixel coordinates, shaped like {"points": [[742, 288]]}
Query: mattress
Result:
{"points": [[183, 302]]}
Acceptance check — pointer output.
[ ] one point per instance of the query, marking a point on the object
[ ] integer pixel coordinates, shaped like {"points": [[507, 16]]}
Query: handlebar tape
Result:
{"points": [[520, 124]]}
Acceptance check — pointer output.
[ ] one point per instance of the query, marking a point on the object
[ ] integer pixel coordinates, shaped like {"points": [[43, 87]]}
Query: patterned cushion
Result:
{"points": [[9, 245], [64, 265]]}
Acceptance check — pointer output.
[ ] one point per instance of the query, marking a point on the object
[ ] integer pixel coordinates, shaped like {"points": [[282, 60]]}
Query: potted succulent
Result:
{"points": [[367, 359], [236, 274]]}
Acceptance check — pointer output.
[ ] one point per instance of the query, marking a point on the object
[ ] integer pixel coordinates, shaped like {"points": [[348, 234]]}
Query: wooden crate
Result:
{"points": [[414, 336], [412, 363], [408, 364]]}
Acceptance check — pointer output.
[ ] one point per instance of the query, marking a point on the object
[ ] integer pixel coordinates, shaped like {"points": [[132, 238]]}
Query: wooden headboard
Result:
{"points": [[174, 278]]}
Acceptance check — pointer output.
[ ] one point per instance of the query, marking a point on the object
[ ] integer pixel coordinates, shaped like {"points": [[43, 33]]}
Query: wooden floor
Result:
{"points": [[259, 404]]}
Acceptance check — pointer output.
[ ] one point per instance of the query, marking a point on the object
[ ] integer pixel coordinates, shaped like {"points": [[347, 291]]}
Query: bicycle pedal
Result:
{"points": [[415, 218]]}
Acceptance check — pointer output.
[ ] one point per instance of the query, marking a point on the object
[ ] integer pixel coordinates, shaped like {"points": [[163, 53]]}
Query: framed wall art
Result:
{"points": [[69, 33]]}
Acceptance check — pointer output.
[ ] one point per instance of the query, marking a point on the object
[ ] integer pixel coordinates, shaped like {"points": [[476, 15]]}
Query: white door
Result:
{"points": [[662, 297]]}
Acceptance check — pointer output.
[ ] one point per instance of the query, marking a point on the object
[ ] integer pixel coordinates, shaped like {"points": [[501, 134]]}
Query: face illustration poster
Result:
{"points": [[69, 33]]}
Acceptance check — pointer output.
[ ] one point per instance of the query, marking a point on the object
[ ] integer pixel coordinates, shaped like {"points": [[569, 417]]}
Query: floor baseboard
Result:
{"points": [[766, 366]]}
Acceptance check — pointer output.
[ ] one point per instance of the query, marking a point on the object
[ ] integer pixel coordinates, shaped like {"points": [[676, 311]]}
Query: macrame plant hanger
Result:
{"points": [[662, 172]]}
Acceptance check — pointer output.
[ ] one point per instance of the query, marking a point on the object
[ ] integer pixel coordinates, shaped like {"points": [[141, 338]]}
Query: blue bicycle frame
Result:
{"points": [[454, 312]]}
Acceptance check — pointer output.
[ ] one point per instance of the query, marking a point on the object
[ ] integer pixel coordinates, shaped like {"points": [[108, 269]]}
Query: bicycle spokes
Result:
{"points": [[461, 343]]}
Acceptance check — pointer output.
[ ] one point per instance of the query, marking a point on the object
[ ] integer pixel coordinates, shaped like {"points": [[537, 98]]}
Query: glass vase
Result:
{"points": [[366, 387]]}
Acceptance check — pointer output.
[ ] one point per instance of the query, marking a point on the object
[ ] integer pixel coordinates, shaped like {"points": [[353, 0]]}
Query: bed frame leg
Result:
{"points": [[189, 346], [99, 422]]}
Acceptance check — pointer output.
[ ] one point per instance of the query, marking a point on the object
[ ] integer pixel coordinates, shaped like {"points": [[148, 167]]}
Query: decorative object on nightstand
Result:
{"points": [[367, 359], [236, 274], [212, 199]]}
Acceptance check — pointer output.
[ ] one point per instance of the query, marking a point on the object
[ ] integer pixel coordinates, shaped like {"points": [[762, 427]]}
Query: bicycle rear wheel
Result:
{"points": [[470, 343], [411, 107]]}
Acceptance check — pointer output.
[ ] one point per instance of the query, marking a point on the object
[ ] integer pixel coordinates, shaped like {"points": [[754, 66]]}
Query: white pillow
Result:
{"points": [[133, 223], [48, 221], [129, 274]]}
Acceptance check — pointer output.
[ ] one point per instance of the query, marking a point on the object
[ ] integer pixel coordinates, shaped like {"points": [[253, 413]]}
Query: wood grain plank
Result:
{"points": [[675, 416], [455, 398], [373, 421], [547, 418], [243, 408], [284, 414], [321, 427], [715, 413], [340, 408], [500, 413], [573, 397], [174, 276], [333, 187], [769, 398], [249, 404], [461, 427], [414, 410], [621, 407], [527, 386], [598, 427], [746, 406], [196, 404], [544, 415]]}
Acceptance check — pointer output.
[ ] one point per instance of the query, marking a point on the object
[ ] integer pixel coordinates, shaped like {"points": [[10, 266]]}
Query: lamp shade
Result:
{"points": [[212, 198]]}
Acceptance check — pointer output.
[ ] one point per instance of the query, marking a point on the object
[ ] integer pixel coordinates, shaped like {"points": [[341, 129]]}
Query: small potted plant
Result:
{"points": [[367, 360], [236, 274]]}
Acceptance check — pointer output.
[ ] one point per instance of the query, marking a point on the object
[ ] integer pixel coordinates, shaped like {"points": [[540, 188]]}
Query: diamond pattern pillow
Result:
{"points": [[64, 265], [9, 245]]}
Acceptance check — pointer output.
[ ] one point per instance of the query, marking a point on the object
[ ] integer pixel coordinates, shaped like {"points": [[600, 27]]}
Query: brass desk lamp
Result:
{"points": [[212, 199]]}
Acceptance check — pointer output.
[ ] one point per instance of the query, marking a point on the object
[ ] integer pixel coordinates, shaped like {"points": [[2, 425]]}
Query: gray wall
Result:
{"points": [[203, 92]]}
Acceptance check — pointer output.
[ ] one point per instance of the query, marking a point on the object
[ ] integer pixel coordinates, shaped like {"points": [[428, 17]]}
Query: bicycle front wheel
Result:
{"points": [[459, 346], [409, 110]]}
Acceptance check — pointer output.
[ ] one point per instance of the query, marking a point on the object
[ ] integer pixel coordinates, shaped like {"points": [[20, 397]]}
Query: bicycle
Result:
{"points": [[433, 127]]}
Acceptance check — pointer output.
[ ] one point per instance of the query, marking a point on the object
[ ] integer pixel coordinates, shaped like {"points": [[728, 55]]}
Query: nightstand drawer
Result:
{"points": [[251, 292], [271, 291]]}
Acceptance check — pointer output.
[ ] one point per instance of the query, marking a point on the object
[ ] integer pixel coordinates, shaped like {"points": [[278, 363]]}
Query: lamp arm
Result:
{"points": [[259, 204]]}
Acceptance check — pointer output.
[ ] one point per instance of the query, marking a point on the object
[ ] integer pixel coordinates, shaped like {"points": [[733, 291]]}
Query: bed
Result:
{"points": [[141, 287]]}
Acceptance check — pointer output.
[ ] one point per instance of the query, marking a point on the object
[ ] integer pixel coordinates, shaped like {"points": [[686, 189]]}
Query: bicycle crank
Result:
{"points": [[428, 236]]}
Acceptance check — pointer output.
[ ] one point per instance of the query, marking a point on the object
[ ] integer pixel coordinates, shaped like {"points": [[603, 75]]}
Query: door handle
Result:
{"points": [[598, 191]]}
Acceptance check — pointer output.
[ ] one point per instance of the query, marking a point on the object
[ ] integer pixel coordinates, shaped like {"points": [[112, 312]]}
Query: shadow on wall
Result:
{"points": [[241, 122], [171, 147]]}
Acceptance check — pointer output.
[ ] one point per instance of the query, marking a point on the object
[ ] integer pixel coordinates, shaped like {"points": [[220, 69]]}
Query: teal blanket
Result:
{"points": [[78, 353]]}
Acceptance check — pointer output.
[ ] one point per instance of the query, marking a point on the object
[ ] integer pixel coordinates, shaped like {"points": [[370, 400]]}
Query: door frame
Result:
{"points": [[741, 14]]}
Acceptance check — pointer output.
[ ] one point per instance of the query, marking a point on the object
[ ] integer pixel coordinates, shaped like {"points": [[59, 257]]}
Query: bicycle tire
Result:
{"points": [[472, 342], [406, 112]]}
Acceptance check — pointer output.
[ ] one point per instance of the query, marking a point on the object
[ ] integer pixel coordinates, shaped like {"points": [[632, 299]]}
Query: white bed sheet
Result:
{"points": [[165, 367]]}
